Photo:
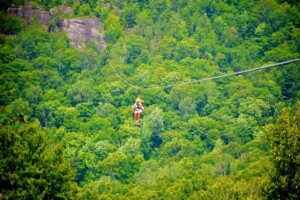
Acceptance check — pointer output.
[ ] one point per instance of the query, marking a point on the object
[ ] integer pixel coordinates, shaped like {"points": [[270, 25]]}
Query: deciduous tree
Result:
{"points": [[284, 138]]}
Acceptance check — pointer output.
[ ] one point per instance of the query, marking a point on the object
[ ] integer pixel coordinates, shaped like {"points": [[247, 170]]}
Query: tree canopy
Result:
{"points": [[67, 130]]}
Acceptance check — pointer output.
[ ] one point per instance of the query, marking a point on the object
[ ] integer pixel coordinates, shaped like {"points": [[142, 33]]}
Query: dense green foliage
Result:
{"points": [[284, 138], [66, 123]]}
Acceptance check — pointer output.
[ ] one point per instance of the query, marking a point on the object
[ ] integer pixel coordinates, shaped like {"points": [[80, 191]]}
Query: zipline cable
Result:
{"points": [[121, 76], [211, 78], [225, 75]]}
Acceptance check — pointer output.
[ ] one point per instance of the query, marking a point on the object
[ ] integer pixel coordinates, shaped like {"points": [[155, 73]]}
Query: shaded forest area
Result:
{"points": [[67, 130]]}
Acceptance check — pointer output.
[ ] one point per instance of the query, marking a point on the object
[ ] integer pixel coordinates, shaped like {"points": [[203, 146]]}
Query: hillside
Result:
{"points": [[210, 129]]}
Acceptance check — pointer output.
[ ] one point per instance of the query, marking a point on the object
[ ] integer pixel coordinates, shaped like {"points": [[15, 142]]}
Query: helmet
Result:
{"points": [[138, 100]]}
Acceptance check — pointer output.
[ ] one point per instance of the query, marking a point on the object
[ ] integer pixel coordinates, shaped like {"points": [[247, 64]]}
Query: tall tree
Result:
{"points": [[31, 167], [152, 129], [284, 138], [113, 28]]}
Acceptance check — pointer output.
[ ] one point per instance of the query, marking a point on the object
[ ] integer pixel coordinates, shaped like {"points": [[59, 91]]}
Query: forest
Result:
{"points": [[67, 130]]}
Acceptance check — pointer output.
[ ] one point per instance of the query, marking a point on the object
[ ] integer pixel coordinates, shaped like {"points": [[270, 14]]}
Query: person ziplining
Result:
{"points": [[138, 108]]}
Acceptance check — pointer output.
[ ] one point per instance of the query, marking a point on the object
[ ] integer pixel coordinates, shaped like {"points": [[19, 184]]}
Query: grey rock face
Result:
{"points": [[79, 30], [28, 13], [82, 31]]}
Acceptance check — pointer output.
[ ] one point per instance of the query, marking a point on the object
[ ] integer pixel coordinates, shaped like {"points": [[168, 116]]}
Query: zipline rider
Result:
{"points": [[138, 108]]}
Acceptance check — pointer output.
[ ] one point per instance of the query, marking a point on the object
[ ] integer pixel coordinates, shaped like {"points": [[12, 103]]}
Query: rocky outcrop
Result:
{"points": [[82, 31], [79, 30], [27, 13]]}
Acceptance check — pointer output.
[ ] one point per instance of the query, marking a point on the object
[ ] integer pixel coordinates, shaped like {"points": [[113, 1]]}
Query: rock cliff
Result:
{"points": [[27, 13], [82, 31], [79, 30]]}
